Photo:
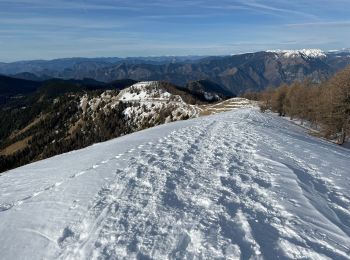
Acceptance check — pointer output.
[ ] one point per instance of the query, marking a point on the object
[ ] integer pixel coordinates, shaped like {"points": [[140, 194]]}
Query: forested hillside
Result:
{"points": [[326, 106], [66, 115]]}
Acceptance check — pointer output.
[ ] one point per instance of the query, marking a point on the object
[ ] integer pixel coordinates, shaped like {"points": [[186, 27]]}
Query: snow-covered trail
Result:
{"points": [[235, 185]]}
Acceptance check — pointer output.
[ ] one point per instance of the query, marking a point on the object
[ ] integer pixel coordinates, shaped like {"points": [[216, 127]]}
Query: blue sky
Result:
{"points": [[46, 29]]}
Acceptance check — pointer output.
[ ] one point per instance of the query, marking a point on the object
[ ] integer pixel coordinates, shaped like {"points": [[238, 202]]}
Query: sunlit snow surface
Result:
{"points": [[309, 53], [236, 184]]}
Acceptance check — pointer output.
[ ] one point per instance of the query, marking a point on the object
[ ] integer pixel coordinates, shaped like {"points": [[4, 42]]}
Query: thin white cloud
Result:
{"points": [[274, 9], [323, 24], [189, 16], [71, 5], [52, 28], [60, 22]]}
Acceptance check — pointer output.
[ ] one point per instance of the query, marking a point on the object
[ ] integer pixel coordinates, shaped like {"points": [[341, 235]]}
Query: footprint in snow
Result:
{"points": [[294, 202], [79, 173], [53, 186], [58, 184], [37, 193], [20, 202], [5, 207], [74, 204]]}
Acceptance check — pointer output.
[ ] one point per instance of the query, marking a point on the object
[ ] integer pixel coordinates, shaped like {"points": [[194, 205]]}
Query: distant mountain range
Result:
{"points": [[12, 88], [57, 66], [233, 74]]}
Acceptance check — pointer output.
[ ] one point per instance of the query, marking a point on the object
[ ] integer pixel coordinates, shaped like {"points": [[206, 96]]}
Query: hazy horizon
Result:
{"points": [[164, 56]]}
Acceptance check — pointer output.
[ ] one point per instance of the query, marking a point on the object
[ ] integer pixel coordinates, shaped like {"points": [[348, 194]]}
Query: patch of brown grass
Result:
{"points": [[17, 146], [224, 106]]}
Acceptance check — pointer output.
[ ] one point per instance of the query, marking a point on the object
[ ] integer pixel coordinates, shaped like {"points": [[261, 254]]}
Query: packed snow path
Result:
{"points": [[241, 184]]}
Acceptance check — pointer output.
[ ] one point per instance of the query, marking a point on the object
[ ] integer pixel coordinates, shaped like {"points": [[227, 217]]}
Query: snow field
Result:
{"points": [[240, 184]]}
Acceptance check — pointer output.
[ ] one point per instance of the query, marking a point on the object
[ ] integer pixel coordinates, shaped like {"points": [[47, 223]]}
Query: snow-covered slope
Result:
{"points": [[144, 91], [236, 184], [227, 105], [150, 102], [306, 53], [147, 104]]}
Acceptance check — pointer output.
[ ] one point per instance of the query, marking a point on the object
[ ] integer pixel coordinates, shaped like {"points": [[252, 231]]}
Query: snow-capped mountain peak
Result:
{"points": [[308, 53]]}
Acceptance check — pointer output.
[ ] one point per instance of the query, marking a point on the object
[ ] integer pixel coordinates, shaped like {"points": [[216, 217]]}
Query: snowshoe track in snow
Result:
{"points": [[236, 185]]}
